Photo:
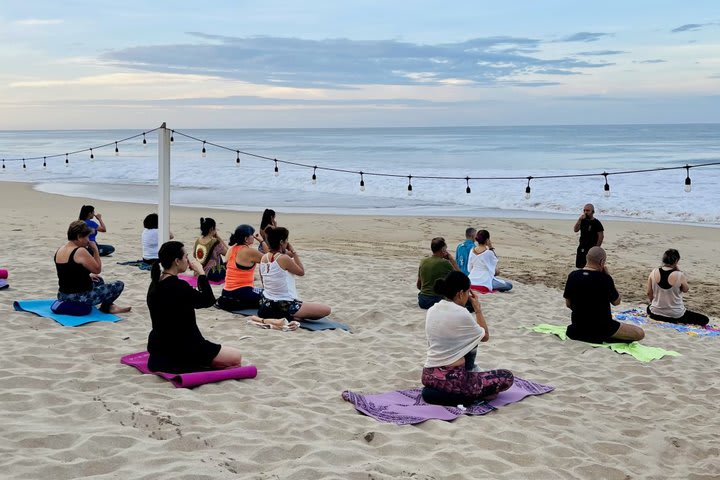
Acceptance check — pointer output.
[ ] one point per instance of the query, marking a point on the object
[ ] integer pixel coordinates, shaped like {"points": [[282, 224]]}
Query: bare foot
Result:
{"points": [[115, 309]]}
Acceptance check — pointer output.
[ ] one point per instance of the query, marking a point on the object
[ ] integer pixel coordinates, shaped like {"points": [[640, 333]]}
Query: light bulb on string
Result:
{"points": [[204, 152], [314, 177], [606, 188], [237, 159], [277, 170], [144, 140], [67, 161], [3, 169], [44, 163], [362, 180], [467, 185], [688, 182], [92, 155], [117, 152], [172, 135], [24, 167], [527, 189], [409, 186]]}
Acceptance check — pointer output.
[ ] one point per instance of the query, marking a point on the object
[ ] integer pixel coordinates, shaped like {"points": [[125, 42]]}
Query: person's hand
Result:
{"points": [[92, 246], [474, 300], [95, 277], [447, 255], [98, 216], [195, 266], [489, 243], [486, 337], [582, 217], [605, 270], [290, 250], [257, 237]]}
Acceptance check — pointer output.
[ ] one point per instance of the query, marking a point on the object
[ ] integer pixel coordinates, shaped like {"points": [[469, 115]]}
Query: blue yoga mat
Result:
{"points": [[314, 325], [42, 308]]}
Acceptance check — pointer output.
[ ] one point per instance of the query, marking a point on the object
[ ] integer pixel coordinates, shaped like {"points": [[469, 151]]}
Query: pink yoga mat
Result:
{"points": [[188, 380], [192, 280], [3, 273]]}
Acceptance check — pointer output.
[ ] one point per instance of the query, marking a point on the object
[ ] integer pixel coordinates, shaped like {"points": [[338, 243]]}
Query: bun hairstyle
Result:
{"points": [[671, 256], [482, 236], [151, 221], [168, 253], [85, 212], [206, 224], [453, 283], [241, 233], [275, 236]]}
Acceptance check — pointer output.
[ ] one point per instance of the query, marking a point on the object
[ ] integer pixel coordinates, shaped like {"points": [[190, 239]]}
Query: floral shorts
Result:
{"points": [[278, 308]]}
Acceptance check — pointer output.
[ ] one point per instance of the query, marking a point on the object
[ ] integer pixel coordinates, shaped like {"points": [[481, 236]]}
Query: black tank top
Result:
{"points": [[72, 276], [664, 276]]}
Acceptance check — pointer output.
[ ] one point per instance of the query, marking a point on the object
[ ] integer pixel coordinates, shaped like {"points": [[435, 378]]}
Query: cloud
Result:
{"points": [[654, 60], [32, 22], [115, 79], [598, 53], [343, 63], [688, 27], [585, 37]]}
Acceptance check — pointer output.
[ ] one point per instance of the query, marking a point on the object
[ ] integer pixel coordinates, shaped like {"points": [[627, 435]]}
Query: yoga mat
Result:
{"points": [[3, 284], [405, 407], [137, 263], [313, 325], [193, 379], [42, 308], [634, 349], [640, 317], [192, 280], [3, 274]]}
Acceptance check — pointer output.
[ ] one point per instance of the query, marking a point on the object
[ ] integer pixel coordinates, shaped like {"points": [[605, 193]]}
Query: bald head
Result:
{"points": [[589, 210], [596, 257]]}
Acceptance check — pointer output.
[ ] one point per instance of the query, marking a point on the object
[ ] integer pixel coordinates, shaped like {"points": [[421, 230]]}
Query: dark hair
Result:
{"points": [[482, 236], [167, 254], [151, 221], [206, 224], [78, 229], [241, 233], [85, 211], [276, 235], [267, 218], [437, 244], [453, 283], [470, 232], [671, 256]]}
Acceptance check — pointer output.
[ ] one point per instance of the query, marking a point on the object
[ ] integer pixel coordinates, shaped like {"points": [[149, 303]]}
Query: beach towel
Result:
{"points": [[192, 280], [3, 284], [634, 349], [313, 325], [193, 379], [43, 308], [640, 317], [137, 263], [407, 406]]}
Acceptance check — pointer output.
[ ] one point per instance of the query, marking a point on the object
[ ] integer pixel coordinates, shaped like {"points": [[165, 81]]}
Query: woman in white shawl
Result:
{"points": [[453, 336]]}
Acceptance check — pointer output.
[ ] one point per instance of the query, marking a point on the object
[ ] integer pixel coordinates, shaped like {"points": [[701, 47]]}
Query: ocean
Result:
{"points": [[217, 181]]}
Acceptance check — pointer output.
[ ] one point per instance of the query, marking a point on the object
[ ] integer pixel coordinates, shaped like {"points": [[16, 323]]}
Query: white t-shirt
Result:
{"points": [[451, 333], [482, 268], [150, 243]]}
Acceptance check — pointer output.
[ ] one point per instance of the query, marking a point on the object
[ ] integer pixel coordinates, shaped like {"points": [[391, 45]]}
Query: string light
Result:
{"points": [[172, 135], [314, 177], [204, 152], [92, 156], [277, 170], [409, 185], [67, 161], [467, 185], [237, 159], [117, 152], [362, 180], [527, 189], [24, 163], [144, 140], [607, 185], [44, 163], [688, 182]]}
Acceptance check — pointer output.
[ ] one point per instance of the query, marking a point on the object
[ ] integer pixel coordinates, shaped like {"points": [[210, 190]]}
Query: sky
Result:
{"points": [[247, 64]]}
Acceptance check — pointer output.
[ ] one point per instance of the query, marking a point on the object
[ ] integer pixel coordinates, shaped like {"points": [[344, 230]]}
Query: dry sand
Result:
{"points": [[69, 409]]}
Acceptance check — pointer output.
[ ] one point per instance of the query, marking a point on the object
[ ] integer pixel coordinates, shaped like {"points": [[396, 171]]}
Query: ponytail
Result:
{"points": [[155, 273]]}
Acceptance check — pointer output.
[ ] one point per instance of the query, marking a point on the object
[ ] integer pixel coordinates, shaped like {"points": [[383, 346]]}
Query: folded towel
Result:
{"points": [[313, 325]]}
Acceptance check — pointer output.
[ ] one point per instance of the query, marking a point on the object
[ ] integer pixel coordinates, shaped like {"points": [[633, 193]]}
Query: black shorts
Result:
{"points": [[598, 334], [198, 359]]}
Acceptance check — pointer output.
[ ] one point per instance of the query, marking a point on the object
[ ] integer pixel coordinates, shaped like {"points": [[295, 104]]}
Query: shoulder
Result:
{"points": [[598, 223], [91, 223]]}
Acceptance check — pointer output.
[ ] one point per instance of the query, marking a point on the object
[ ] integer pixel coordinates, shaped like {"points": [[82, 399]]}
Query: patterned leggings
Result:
{"points": [[103, 293], [460, 381]]}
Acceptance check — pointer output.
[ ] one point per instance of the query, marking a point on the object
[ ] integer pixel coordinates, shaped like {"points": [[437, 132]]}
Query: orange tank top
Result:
{"points": [[238, 277]]}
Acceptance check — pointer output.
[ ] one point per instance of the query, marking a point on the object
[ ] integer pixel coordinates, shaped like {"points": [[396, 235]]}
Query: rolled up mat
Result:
{"points": [[3, 273]]}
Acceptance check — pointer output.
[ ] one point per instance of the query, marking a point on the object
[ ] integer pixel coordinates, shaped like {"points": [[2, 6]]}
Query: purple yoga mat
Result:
{"points": [[188, 380], [407, 406], [192, 280]]}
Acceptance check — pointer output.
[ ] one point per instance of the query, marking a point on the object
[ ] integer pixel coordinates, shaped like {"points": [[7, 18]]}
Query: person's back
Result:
{"points": [[238, 276], [462, 252], [482, 268], [150, 244], [278, 283], [667, 296], [431, 269], [590, 294]]}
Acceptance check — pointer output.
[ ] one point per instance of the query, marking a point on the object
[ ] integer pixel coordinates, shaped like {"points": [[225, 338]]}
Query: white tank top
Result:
{"points": [[278, 284]]}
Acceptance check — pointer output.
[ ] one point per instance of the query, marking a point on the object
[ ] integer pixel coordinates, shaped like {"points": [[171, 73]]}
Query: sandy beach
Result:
{"points": [[69, 409]]}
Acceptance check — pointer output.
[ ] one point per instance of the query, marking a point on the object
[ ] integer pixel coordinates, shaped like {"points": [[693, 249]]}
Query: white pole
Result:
{"points": [[163, 184]]}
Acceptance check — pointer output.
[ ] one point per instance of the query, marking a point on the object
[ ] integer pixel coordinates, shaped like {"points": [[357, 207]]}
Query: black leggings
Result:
{"points": [[692, 318]]}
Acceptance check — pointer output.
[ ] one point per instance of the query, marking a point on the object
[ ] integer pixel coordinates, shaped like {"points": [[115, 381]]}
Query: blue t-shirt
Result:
{"points": [[94, 226], [461, 255]]}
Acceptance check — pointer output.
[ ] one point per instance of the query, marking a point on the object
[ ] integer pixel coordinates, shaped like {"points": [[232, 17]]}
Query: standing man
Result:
{"points": [[462, 252], [438, 265], [591, 231]]}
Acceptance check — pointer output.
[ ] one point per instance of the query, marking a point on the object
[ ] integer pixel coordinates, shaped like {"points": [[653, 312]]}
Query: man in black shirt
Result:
{"points": [[591, 231], [589, 293]]}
